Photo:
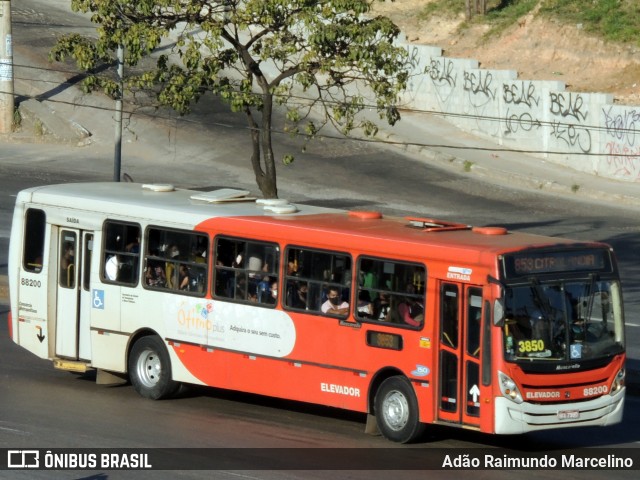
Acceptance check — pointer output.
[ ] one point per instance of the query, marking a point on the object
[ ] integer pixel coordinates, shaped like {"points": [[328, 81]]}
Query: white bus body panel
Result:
{"points": [[108, 315], [29, 293]]}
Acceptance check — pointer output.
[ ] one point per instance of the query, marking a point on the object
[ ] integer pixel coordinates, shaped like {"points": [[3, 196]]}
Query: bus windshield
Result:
{"points": [[569, 320]]}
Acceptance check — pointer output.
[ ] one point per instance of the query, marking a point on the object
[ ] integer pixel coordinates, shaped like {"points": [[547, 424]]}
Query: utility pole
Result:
{"points": [[6, 68], [117, 160]]}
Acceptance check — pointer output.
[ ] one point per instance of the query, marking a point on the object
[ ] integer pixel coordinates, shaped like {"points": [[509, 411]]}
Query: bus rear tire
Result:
{"points": [[150, 369], [396, 408]]}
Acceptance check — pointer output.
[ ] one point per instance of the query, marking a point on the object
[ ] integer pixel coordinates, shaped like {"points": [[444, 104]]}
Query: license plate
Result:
{"points": [[568, 415]]}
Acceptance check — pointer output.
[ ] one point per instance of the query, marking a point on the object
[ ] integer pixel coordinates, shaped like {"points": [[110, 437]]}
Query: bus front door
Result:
{"points": [[73, 296], [459, 353]]}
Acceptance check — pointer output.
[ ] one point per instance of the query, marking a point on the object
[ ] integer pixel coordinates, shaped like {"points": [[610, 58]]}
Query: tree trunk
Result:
{"points": [[265, 178], [269, 187], [467, 9]]}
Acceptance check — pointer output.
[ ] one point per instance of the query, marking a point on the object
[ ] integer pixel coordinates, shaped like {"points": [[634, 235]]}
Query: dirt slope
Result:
{"points": [[535, 48]]}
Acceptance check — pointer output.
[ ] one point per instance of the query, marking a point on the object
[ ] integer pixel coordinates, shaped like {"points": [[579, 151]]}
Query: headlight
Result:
{"points": [[508, 388], [618, 382]]}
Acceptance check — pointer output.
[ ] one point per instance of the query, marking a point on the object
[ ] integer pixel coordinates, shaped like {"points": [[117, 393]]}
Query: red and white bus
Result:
{"points": [[413, 321]]}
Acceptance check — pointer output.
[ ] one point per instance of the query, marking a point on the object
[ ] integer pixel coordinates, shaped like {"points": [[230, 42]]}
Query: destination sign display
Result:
{"points": [[543, 262]]}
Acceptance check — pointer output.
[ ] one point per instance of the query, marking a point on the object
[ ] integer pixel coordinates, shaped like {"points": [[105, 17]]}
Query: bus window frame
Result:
{"points": [[274, 272], [146, 256], [106, 254], [422, 294], [33, 240], [66, 275], [320, 283]]}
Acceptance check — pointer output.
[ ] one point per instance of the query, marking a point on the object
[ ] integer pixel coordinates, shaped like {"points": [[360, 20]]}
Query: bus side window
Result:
{"points": [[318, 281], [391, 291], [247, 271], [33, 248], [67, 259], [176, 260], [121, 255]]}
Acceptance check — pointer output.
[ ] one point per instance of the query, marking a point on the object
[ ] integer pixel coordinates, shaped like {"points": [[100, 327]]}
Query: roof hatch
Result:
{"points": [[223, 195], [278, 206], [432, 225], [158, 187]]}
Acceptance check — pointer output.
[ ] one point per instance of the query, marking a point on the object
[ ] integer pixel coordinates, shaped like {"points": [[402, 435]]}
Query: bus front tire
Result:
{"points": [[150, 369], [396, 409]]}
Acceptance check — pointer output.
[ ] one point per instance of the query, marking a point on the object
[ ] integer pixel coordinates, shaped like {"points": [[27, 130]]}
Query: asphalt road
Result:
{"points": [[46, 408], [43, 407]]}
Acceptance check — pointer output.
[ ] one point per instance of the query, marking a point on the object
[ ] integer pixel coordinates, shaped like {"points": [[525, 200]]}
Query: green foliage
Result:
{"points": [[506, 14], [443, 8], [253, 54], [614, 20]]}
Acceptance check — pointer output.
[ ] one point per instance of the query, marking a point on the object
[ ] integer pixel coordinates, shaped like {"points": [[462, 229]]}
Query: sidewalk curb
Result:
{"points": [[50, 123], [496, 175]]}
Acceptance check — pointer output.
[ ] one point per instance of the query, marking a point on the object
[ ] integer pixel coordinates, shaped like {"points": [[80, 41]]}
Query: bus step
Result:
{"points": [[70, 365]]}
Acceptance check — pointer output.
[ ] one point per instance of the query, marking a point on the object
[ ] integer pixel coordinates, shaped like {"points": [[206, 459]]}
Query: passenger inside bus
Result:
{"points": [[272, 298], [381, 308], [154, 275], [66, 265], [184, 277], [170, 268], [297, 295], [410, 310], [365, 306], [334, 304]]}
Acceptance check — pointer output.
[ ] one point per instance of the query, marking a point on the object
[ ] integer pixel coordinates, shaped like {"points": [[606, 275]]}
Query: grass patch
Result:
{"points": [[442, 8], [613, 20], [17, 120], [505, 14]]}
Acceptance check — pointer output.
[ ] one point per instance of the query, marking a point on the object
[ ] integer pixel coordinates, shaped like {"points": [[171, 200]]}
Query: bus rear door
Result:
{"points": [[459, 353], [73, 294]]}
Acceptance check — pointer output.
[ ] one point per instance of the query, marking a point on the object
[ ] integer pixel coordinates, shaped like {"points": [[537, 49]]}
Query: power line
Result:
{"points": [[533, 122], [139, 112]]}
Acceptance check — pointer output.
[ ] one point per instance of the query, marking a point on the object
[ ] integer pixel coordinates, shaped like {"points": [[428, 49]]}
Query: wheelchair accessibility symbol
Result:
{"points": [[98, 299]]}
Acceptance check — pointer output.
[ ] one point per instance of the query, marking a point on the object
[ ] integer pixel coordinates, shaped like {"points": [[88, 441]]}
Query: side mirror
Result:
{"points": [[498, 312]]}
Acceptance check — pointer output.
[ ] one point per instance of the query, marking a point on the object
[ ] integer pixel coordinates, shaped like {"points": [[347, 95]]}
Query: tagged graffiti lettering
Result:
{"points": [[441, 71], [572, 136], [515, 94], [623, 126], [524, 122], [624, 161], [567, 105], [479, 83], [414, 57]]}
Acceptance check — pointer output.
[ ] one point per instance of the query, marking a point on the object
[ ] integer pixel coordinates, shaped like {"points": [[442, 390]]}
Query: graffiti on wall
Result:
{"points": [[480, 102], [444, 77], [522, 101], [569, 121], [623, 142]]}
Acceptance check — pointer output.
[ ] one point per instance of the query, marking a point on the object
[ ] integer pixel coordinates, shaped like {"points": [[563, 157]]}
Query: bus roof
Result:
{"points": [[153, 202], [323, 226]]}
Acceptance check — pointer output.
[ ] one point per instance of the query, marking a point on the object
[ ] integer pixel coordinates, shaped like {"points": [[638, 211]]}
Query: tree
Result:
{"points": [[475, 6], [255, 54]]}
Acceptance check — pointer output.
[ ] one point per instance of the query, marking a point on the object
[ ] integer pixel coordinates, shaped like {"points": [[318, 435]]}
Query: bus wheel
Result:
{"points": [[150, 369], [396, 409]]}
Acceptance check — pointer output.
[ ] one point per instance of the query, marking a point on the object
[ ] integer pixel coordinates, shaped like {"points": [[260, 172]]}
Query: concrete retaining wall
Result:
{"points": [[583, 131]]}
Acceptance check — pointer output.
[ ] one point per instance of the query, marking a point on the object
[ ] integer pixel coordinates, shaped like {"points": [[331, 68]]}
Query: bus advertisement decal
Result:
{"points": [[230, 326]]}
